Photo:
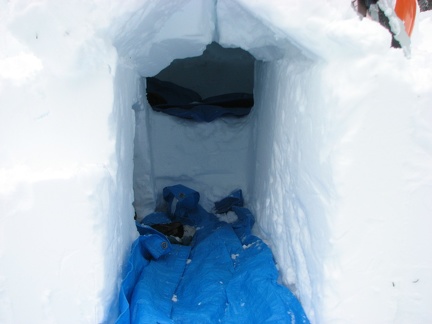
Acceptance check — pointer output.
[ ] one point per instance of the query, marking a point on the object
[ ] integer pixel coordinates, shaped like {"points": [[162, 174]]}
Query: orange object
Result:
{"points": [[406, 11]]}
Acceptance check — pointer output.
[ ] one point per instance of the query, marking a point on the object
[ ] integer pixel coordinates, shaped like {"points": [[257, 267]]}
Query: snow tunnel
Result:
{"points": [[271, 154], [333, 159]]}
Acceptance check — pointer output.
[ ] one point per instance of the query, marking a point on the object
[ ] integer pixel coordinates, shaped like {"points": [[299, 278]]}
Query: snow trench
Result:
{"points": [[334, 159], [272, 154]]}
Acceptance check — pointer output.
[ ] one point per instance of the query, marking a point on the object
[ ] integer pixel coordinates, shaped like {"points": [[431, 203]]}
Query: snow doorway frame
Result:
{"points": [[286, 122]]}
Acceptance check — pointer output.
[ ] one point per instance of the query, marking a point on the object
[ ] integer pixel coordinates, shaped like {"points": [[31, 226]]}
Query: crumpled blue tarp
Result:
{"points": [[226, 275], [235, 198], [172, 99]]}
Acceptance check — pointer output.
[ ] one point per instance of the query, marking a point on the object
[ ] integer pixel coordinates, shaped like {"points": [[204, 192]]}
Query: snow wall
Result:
{"points": [[336, 160]]}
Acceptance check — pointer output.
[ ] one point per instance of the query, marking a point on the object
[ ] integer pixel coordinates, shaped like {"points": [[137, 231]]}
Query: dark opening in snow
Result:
{"points": [[218, 83]]}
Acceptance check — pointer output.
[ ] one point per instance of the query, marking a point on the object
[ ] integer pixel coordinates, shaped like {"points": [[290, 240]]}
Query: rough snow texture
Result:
{"points": [[213, 158], [293, 186], [66, 215], [339, 151]]}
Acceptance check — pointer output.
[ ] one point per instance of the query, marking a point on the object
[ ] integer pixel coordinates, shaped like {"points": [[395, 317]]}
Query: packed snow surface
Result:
{"points": [[335, 159]]}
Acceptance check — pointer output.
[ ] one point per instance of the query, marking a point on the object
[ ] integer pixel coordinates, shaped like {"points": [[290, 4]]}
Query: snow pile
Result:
{"points": [[334, 160], [230, 217]]}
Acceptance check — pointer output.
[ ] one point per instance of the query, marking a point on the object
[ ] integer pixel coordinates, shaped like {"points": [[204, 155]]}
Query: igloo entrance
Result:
{"points": [[217, 71], [216, 84], [264, 153]]}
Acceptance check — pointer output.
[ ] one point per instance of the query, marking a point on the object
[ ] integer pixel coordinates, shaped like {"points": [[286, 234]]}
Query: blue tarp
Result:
{"points": [[226, 275], [172, 99]]}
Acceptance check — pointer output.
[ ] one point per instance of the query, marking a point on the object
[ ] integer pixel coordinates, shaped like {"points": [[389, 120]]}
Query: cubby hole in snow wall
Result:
{"points": [[271, 154]]}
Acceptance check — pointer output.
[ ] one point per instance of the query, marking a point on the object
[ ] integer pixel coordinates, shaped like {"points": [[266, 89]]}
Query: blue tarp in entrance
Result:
{"points": [[172, 99], [225, 275]]}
